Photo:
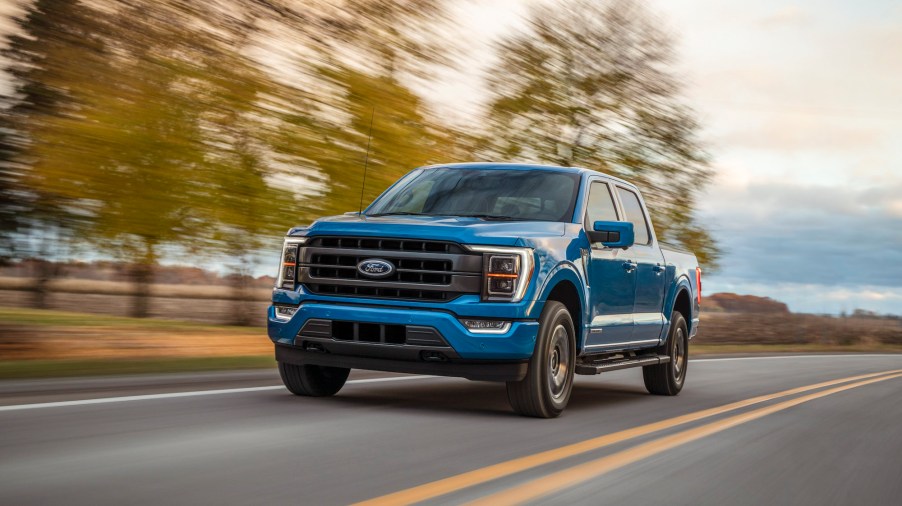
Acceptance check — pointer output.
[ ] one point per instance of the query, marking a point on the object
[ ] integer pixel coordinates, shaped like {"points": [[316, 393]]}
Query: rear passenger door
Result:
{"points": [[611, 286], [648, 317]]}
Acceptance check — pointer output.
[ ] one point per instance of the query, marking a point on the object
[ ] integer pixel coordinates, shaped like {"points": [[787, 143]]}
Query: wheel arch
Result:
{"points": [[680, 300], [563, 286]]}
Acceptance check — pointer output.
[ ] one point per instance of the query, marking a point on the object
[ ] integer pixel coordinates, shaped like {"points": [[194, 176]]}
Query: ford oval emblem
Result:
{"points": [[375, 268]]}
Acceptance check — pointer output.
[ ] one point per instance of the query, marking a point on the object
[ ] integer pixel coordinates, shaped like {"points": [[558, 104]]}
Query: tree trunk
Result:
{"points": [[142, 277], [241, 312], [44, 271]]}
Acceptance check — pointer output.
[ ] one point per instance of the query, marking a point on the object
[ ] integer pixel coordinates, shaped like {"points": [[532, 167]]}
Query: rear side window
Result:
{"points": [[634, 214], [600, 206]]}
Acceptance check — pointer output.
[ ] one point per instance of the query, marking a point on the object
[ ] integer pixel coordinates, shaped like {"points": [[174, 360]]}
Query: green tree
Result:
{"points": [[591, 84], [403, 134], [361, 56], [245, 208], [45, 53], [10, 194]]}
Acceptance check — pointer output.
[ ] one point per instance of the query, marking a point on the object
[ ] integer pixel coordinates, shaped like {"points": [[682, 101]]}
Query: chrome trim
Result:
{"points": [[624, 343], [633, 318]]}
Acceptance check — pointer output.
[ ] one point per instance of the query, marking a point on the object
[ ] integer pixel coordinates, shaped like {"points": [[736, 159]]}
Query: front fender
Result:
{"points": [[565, 272]]}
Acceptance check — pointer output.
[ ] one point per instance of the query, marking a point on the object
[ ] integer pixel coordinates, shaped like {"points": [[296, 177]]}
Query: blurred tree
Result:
{"points": [[45, 53], [403, 137], [360, 55], [10, 194], [129, 160], [246, 208], [162, 141], [591, 85]]}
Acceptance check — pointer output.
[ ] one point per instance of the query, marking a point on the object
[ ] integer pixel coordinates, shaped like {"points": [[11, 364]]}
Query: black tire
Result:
{"points": [[313, 380], [545, 391], [668, 379]]}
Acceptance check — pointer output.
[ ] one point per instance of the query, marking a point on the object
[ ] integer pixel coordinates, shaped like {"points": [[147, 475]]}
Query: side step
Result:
{"points": [[604, 365]]}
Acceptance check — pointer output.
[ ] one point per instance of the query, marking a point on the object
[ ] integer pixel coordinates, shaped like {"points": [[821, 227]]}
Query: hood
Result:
{"points": [[440, 228]]}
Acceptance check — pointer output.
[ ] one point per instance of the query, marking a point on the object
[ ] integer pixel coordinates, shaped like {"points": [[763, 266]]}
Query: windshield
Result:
{"points": [[534, 195]]}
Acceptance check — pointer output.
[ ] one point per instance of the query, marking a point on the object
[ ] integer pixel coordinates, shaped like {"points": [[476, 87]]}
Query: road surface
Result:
{"points": [[734, 436]]}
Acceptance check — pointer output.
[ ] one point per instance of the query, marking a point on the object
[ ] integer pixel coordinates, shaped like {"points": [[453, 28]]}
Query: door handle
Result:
{"points": [[629, 266], [660, 268]]}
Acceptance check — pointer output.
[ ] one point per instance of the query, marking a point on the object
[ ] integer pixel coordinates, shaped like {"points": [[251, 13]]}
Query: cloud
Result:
{"points": [[797, 129], [790, 15], [835, 240]]}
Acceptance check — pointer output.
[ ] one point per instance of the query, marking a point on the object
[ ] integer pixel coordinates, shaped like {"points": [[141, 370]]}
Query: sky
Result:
{"points": [[801, 104]]}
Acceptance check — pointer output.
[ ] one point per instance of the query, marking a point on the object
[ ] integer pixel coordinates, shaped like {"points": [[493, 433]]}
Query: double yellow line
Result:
{"points": [[538, 488]]}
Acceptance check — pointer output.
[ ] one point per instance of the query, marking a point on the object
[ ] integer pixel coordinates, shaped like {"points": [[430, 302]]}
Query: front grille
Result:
{"points": [[424, 270], [408, 270], [360, 332]]}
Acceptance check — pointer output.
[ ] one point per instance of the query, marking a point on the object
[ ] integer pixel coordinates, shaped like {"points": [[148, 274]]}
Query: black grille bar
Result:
{"points": [[377, 333]]}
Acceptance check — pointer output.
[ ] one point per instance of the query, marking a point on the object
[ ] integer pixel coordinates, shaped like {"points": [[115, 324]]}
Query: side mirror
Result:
{"points": [[613, 234]]}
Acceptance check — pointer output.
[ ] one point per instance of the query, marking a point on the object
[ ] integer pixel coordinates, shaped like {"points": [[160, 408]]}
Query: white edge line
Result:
{"points": [[198, 393], [174, 395], [783, 357]]}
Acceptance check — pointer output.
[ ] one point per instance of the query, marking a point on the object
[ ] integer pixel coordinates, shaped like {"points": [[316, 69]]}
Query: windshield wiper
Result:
{"points": [[397, 213], [490, 217]]}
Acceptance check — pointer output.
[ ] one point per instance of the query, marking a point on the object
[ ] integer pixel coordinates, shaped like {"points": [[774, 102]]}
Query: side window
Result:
{"points": [[600, 206], [634, 213]]}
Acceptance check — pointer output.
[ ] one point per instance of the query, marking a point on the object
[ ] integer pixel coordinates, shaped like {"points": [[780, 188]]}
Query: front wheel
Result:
{"points": [[313, 380], [545, 391], [668, 379]]}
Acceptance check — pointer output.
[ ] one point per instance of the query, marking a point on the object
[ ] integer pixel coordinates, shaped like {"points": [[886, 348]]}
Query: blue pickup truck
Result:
{"points": [[525, 274]]}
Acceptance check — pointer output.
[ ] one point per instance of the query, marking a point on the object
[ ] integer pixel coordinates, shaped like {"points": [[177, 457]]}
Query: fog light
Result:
{"points": [[285, 312], [487, 326]]}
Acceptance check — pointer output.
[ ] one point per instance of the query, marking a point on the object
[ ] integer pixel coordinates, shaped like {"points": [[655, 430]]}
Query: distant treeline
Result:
{"points": [[117, 271]]}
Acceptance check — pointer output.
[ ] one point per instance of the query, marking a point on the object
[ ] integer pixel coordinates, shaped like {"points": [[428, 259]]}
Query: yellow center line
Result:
{"points": [[541, 487], [477, 476]]}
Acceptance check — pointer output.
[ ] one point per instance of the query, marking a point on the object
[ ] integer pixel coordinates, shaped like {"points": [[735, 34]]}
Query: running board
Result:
{"points": [[620, 363]]}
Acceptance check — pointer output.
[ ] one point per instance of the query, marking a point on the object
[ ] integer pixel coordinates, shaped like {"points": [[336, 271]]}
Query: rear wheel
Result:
{"points": [[668, 379], [313, 380], [545, 391]]}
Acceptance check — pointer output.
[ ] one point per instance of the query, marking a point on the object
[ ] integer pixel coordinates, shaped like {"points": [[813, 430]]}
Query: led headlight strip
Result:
{"points": [[507, 271]]}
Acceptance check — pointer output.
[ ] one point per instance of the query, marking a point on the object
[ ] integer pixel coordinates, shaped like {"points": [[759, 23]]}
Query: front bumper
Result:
{"points": [[479, 370], [516, 344]]}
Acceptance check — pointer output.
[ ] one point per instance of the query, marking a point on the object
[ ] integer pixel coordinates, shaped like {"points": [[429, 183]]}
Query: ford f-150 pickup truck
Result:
{"points": [[525, 274]]}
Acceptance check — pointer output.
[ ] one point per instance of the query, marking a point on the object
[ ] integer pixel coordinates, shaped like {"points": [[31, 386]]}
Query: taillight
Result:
{"points": [[698, 284]]}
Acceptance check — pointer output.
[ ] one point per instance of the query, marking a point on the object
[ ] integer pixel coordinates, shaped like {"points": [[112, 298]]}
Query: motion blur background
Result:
{"points": [[152, 153]]}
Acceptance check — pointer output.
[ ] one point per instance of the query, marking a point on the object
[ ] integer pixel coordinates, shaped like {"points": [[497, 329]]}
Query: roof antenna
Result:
{"points": [[366, 160]]}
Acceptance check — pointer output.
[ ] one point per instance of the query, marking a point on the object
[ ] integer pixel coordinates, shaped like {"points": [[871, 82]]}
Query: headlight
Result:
{"points": [[507, 272], [288, 269]]}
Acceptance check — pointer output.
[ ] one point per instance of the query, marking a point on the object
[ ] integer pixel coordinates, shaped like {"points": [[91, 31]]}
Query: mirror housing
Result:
{"points": [[613, 234]]}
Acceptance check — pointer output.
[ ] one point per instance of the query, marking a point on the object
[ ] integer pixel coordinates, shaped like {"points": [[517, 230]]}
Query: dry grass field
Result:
{"points": [[86, 332]]}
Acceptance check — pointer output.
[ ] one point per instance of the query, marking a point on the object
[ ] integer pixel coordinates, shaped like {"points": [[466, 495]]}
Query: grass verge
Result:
{"points": [[30, 369], [739, 349], [52, 318]]}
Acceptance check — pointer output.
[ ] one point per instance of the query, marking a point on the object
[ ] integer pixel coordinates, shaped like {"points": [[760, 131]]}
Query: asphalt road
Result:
{"points": [[237, 438]]}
